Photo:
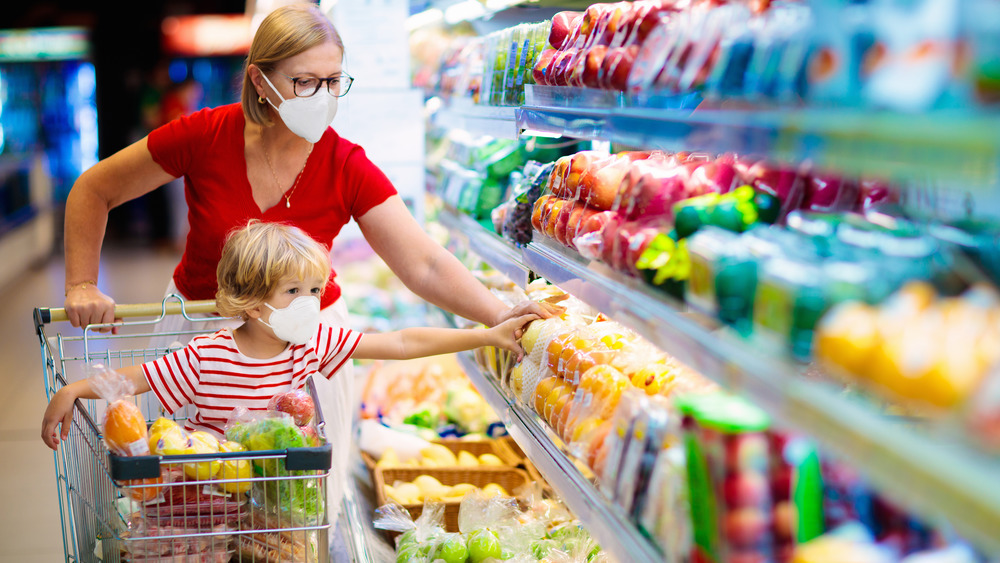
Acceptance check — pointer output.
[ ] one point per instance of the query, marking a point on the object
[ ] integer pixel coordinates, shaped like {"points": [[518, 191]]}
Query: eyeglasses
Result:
{"points": [[305, 87]]}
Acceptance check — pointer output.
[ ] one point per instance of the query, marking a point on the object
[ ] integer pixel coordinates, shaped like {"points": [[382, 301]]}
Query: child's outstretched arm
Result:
{"points": [[60, 409], [421, 342]]}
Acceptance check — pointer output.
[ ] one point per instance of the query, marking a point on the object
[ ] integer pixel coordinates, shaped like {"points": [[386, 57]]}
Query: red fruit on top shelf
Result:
{"points": [[562, 28], [592, 66], [591, 18], [559, 69], [539, 71], [617, 66]]}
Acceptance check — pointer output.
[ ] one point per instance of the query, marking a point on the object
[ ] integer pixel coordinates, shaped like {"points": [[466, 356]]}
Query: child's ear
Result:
{"points": [[253, 312]]}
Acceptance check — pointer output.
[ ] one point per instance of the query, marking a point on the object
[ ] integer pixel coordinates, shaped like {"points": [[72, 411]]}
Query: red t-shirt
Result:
{"points": [[207, 149]]}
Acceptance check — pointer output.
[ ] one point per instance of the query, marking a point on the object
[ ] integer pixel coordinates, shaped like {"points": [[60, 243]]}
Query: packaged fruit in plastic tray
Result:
{"points": [[929, 352], [517, 226], [728, 458]]}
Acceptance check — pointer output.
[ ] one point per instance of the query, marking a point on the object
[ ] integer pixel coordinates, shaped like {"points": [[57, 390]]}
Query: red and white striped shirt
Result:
{"points": [[211, 374]]}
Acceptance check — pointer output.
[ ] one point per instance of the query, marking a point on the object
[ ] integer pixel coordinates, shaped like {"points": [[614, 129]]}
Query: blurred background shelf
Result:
{"points": [[605, 522], [495, 121], [957, 149], [497, 252], [930, 471]]}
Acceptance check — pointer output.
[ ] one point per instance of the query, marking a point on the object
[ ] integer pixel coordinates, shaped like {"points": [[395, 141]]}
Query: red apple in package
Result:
{"points": [[781, 181], [298, 404], [562, 29], [590, 237], [537, 210], [829, 192], [312, 437], [616, 67], [576, 222], [600, 184], [559, 70], [562, 221], [579, 164], [539, 71], [872, 193], [713, 177], [651, 190], [549, 216], [593, 60], [631, 240]]}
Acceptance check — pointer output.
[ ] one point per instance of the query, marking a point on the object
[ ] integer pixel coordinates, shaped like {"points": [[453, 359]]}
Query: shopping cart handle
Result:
{"points": [[58, 314]]}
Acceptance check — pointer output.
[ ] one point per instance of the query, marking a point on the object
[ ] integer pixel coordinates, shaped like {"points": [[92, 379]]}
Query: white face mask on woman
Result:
{"points": [[306, 117], [296, 323]]}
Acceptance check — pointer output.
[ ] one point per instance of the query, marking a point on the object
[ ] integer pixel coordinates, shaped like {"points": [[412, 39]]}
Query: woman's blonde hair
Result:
{"points": [[284, 33], [258, 257]]}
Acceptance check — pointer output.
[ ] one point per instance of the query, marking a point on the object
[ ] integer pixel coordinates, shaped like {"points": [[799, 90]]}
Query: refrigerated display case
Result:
{"points": [[944, 159], [48, 135]]}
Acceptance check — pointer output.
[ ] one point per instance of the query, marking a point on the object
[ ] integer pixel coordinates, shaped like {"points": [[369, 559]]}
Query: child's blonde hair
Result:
{"points": [[258, 257]]}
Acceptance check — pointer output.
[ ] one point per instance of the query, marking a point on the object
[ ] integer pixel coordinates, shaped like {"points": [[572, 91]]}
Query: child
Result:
{"points": [[272, 276]]}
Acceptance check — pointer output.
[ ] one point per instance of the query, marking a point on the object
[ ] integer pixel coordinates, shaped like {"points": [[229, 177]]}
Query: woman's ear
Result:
{"points": [[255, 78]]}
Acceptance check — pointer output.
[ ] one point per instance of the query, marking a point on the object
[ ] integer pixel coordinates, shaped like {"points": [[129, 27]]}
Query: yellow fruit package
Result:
{"points": [[124, 425]]}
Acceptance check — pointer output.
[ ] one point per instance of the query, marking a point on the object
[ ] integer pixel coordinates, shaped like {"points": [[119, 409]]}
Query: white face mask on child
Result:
{"points": [[296, 323]]}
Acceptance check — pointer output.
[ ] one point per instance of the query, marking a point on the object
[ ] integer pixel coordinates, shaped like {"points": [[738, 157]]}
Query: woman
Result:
{"points": [[271, 157]]}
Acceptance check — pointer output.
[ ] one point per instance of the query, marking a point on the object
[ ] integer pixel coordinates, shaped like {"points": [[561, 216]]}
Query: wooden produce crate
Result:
{"points": [[474, 447], [507, 477]]}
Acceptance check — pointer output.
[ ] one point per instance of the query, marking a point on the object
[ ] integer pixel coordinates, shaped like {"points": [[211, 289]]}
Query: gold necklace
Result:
{"points": [[287, 195]]}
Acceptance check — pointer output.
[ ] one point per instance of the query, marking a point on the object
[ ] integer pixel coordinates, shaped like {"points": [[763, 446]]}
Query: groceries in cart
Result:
{"points": [[237, 497]]}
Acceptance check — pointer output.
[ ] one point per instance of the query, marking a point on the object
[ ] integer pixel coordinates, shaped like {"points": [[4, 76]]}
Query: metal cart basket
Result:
{"points": [[263, 505]]}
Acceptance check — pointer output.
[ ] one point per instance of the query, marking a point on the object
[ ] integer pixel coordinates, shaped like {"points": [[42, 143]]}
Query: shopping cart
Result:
{"points": [[233, 506]]}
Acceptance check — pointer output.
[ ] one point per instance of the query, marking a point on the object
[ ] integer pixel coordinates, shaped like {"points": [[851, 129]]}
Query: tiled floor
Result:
{"points": [[29, 514]]}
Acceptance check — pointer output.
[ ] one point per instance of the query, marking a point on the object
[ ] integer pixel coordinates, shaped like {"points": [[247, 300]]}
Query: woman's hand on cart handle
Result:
{"points": [[87, 305]]}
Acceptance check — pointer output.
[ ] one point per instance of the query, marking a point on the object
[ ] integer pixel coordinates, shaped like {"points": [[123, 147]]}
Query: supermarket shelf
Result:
{"points": [[929, 474], [495, 121], [605, 522], [491, 248], [928, 471]]}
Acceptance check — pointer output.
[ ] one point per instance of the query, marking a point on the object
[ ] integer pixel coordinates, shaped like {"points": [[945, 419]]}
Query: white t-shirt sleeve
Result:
{"points": [[174, 378], [334, 347]]}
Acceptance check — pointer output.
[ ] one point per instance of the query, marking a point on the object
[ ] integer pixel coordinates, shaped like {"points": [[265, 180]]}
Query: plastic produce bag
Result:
{"points": [[124, 424]]}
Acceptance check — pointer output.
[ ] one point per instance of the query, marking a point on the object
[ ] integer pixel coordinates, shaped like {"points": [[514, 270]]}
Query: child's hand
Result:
{"points": [[60, 410], [508, 333]]}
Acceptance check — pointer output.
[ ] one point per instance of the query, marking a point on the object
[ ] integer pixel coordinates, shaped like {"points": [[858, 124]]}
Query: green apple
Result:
{"points": [[453, 550], [483, 544], [408, 554]]}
